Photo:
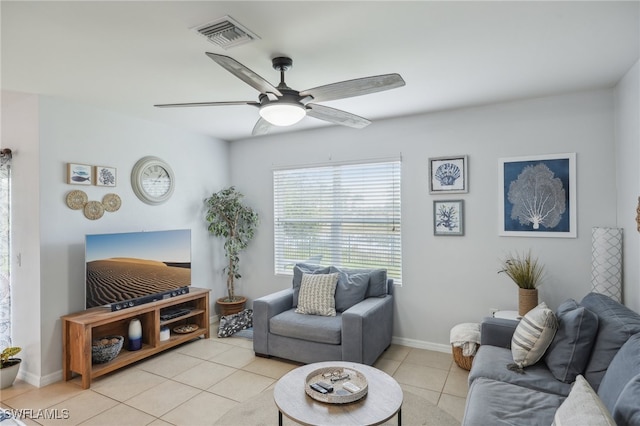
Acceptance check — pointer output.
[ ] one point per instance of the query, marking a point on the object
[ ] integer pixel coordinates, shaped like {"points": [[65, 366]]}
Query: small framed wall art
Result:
{"points": [[537, 196], [448, 175], [448, 217], [105, 176], [79, 174]]}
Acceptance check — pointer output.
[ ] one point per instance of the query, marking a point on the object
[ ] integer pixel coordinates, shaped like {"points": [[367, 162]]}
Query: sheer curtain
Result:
{"points": [[5, 257]]}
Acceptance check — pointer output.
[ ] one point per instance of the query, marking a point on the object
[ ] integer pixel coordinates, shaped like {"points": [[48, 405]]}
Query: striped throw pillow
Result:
{"points": [[317, 295], [532, 337]]}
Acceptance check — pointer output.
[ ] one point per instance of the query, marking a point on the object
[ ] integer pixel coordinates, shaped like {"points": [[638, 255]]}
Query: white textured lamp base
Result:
{"points": [[606, 262]]}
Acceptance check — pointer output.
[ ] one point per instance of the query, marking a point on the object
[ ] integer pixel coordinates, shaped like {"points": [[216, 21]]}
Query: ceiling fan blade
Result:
{"points": [[262, 127], [201, 104], [336, 116], [244, 73], [357, 87]]}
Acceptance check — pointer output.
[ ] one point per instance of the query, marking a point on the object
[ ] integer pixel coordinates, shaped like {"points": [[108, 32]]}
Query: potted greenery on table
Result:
{"points": [[9, 366], [230, 219], [526, 272]]}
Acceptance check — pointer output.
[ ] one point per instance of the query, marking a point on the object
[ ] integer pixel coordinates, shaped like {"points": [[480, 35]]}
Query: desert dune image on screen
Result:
{"points": [[130, 265]]}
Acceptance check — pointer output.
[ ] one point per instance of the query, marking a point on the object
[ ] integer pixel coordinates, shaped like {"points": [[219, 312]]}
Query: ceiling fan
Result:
{"points": [[283, 106]]}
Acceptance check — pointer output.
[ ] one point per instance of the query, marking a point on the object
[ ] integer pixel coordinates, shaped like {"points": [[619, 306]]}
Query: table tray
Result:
{"points": [[336, 397]]}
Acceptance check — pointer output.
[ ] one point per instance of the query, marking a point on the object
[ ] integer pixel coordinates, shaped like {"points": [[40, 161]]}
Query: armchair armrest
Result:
{"points": [[367, 328], [497, 331], [265, 308]]}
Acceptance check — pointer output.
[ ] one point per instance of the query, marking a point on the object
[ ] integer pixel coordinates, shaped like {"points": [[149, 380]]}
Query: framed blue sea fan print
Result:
{"points": [[448, 175], [537, 196]]}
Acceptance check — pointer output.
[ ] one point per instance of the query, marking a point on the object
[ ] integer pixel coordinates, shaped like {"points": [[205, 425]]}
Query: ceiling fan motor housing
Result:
{"points": [[282, 63]]}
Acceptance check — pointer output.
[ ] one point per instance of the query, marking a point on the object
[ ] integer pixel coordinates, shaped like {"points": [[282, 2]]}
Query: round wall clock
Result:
{"points": [[152, 180]]}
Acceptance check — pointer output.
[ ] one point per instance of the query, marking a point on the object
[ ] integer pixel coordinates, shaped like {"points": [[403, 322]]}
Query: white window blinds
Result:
{"points": [[342, 215]]}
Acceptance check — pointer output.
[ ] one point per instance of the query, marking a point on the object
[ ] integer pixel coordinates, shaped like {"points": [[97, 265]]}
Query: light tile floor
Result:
{"points": [[198, 382]]}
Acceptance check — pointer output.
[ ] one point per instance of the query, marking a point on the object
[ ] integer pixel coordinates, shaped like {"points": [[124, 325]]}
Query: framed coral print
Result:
{"points": [[448, 175], [105, 176], [537, 196], [79, 174], [448, 217]]}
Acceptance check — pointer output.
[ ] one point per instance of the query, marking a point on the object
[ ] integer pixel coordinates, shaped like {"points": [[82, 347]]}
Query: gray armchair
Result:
{"points": [[360, 331]]}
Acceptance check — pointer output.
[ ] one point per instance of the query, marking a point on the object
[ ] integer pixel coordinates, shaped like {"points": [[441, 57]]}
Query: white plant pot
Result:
{"points": [[8, 375]]}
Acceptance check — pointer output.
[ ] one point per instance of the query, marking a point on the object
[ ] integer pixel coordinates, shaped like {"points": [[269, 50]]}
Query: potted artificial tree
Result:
{"points": [[230, 219], [9, 366], [526, 272]]}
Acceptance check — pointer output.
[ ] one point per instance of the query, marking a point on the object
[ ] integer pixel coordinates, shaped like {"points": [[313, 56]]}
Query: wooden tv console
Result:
{"points": [[81, 328]]}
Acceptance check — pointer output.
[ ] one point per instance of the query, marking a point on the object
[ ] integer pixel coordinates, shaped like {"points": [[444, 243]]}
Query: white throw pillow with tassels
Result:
{"points": [[532, 337]]}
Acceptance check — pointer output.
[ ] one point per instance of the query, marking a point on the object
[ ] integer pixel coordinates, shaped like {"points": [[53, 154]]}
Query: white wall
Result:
{"points": [[81, 134], [628, 179], [448, 280], [20, 134]]}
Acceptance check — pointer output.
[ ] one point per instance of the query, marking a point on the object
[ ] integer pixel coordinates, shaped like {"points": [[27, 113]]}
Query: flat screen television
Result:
{"points": [[128, 269]]}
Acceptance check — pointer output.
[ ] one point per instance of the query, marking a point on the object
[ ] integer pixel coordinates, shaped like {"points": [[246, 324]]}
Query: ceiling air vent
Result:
{"points": [[226, 32]]}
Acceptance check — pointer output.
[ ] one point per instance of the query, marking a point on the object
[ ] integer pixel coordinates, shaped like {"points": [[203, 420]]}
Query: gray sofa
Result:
{"points": [[600, 342], [360, 331]]}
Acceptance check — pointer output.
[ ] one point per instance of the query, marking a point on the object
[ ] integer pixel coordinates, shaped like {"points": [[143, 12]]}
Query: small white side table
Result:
{"points": [[512, 315]]}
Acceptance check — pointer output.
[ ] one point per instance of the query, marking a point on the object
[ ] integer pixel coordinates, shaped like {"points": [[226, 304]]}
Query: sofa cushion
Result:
{"points": [[582, 408], [616, 324], [351, 288], [490, 362], [377, 280], [625, 364], [568, 354], [492, 402], [377, 283], [303, 268], [317, 295], [307, 327], [533, 336], [626, 412]]}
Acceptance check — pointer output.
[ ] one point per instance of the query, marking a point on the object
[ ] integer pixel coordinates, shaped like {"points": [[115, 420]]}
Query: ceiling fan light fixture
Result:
{"points": [[282, 114]]}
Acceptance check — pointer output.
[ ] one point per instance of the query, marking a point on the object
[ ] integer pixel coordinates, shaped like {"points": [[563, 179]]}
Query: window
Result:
{"points": [[343, 215]]}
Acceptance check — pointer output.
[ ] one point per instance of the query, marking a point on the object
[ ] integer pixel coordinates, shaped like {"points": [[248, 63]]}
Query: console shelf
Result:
{"points": [[172, 321], [79, 330]]}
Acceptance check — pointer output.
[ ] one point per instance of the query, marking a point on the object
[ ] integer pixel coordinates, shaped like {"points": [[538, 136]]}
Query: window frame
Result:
{"points": [[387, 175]]}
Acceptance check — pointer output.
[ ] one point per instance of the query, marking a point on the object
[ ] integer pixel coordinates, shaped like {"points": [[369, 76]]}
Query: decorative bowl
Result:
{"points": [[340, 395], [106, 348]]}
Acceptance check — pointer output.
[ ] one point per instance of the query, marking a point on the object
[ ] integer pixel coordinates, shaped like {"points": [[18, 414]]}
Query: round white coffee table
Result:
{"points": [[383, 399]]}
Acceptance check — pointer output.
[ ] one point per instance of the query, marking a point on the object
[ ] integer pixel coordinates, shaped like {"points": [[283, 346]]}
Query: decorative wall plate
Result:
{"points": [[93, 210], [77, 199], [111, 202]]}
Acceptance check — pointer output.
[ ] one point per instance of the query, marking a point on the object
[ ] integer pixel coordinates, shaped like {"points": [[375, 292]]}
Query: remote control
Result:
{"points": [[325, 386], [317, 388], [350, 387]]}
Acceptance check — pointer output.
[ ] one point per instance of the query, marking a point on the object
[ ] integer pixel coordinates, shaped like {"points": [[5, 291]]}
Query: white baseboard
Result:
{"points": [[420, 344], [40, 381]]}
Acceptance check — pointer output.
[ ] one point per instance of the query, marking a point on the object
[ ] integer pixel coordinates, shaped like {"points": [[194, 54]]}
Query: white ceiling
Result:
{"points": [[127, 56]]}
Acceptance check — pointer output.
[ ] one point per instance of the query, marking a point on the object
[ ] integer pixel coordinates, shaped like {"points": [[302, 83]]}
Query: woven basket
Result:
{"points": [[105, 353], [463, 362], [527, 300]]}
